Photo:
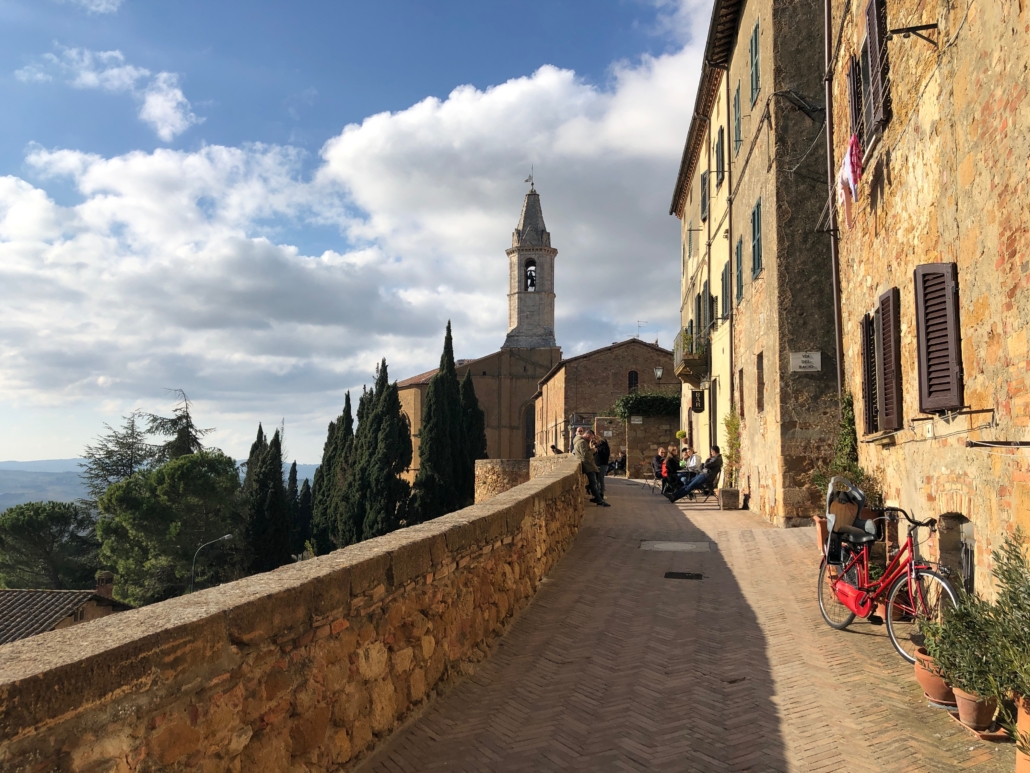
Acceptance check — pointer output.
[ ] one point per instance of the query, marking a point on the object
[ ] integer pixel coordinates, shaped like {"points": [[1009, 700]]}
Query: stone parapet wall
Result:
{"points": [[495, 476], [542, 465], [306, 668]]}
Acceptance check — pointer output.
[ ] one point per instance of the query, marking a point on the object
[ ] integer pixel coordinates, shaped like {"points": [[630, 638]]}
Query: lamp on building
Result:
{"points": [[706, 383], [659, 372]]}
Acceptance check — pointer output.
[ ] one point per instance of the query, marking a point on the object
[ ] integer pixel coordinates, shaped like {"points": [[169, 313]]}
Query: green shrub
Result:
{"points": [[845, 457], [731, 458], [646, 404]]}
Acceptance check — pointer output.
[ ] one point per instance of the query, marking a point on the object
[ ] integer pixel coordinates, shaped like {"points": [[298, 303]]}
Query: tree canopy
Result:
{"points": [[118, 454], [153, 522], [47, 545]]}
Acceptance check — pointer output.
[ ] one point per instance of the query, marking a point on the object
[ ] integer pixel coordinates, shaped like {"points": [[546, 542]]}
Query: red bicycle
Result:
{"points": [[914, 590]]}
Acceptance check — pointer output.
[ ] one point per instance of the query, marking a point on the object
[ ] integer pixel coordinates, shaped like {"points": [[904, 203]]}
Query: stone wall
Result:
{"points": [[947, 182], [643, 440], [495, 476], [305, 668], [542, 465]]}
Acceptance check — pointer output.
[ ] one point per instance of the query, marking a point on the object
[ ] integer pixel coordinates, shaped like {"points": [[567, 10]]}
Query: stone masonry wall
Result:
{"points": [[643, 440], [305, 668], [495, 476], [948, 182]]}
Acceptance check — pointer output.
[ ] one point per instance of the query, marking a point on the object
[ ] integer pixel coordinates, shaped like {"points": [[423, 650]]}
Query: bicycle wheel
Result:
{"points": [[927, 599], [835, 614]]}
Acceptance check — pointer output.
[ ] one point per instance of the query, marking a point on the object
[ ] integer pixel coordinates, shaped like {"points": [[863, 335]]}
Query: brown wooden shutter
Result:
{"points": [[890, 347], [938, 341], [868, 375], [876, 49]]}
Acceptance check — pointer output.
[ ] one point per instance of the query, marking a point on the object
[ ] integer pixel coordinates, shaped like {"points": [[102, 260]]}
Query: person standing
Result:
{"points": [[602, 454], [581, 448]]}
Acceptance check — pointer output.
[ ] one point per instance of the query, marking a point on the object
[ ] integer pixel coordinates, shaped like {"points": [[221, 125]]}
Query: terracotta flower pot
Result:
{"points": [[1023, 728], [933, 684], [974, 711]]}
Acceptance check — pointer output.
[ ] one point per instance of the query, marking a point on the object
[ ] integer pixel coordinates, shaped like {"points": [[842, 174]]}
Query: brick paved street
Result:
{"points": [[615, 668]]}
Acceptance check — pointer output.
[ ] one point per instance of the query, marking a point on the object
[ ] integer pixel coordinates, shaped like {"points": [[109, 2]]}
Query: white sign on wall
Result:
{"points": [[607, 433], [636, 419], [806, 362]]}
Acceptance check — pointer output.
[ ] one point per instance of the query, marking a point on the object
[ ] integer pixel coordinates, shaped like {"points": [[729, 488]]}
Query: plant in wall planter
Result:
{"points": [[729, 494], [963, 646]]}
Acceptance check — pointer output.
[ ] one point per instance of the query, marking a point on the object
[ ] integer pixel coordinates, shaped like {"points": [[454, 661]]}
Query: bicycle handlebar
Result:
{"points": [[928, 523]]}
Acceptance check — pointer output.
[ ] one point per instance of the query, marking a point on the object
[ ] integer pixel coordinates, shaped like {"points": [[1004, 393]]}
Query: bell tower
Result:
{"points": [[531, 280]]}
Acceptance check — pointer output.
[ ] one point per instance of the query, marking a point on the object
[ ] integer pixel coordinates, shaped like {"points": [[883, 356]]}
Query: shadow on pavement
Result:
{"points": [[613, 666]]}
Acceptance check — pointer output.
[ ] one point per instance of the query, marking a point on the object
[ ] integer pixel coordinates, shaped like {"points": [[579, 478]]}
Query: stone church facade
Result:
{"points": [[507, 380]]}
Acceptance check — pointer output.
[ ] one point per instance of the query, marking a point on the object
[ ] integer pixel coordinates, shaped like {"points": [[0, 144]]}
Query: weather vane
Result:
{"points": [[530, 178]]}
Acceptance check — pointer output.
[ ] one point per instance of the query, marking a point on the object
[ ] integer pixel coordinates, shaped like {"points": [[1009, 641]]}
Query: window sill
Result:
{"points": [[883, 438], [757, 274], [874, 143]]}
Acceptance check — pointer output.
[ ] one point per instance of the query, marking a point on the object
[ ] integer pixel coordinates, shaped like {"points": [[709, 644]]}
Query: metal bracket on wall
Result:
{"points": [[917, 30]]}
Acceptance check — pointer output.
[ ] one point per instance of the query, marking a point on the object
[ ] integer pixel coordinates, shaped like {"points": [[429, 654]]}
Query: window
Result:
{"points": [[634, 380], [756, 75], [889, 395], [690, 239], [938, 339], [704, 196], [759, 382], [740, 269], [867, 76], [740, 393], [726, 290], [756, 239], [706, 300], [738, 140], [720, 157], [697, 315], [530, 285], [870, 404]]}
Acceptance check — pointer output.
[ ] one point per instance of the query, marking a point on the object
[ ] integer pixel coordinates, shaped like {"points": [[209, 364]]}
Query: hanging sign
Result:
{"points": [[697, 401]]}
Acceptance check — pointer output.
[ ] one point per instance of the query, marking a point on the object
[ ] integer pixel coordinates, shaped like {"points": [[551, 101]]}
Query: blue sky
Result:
{"points": [[256, 201]]}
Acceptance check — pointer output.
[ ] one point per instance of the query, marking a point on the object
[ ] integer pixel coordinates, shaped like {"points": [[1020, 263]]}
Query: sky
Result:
{"points": [[256, 202]]}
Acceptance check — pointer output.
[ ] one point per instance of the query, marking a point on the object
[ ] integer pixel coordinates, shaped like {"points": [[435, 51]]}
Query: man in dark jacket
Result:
{"points": [[709, 474], [602, 454]]}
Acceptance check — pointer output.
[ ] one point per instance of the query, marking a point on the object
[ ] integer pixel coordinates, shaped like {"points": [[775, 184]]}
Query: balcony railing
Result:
{"points": [[690, 354]]}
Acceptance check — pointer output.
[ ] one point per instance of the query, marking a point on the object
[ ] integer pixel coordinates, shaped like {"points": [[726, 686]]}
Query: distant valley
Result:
{"points": [[58, 480]]}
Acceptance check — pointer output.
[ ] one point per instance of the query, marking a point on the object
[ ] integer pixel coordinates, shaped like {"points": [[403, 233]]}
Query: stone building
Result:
{"points": [[578, 390], [932, 99], [25, 613], [506, 380], [756, 295]]}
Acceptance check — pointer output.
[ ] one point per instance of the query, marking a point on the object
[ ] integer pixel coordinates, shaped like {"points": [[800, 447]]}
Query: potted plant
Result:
{"points": [[729, 494], [1012, 573], [935, 688], [963, 646], [680, 434]]}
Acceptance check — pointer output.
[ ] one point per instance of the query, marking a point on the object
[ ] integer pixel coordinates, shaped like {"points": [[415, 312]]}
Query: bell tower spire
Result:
{"points": [[531, 280]]}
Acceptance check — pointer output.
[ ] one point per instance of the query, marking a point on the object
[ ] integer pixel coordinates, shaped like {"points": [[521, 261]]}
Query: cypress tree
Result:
{"points": [[388, 455], [354, 498], [299, 533], [441, 450], [269, 517], [473, 440], [329, 492], [304, 510]]}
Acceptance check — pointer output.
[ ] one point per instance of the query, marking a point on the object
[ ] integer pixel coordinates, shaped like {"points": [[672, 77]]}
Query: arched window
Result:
{"points": [[634, 379], [530, 282]]}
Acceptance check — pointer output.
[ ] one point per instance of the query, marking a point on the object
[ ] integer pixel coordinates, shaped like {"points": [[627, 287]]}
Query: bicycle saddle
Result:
{"points": [[855, 535]]}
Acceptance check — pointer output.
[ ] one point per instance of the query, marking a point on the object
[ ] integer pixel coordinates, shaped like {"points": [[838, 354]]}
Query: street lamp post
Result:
{"points": [[193, 571]]}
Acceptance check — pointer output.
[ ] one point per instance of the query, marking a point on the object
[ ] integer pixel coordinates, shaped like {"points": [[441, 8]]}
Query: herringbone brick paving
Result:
{"points": [[615, 668]]}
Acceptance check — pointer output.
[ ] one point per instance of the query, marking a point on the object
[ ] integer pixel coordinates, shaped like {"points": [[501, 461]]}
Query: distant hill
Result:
{"points": [[57, 480]]}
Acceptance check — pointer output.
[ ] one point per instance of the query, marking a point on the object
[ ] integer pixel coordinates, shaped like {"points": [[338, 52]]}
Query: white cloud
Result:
{"points": [[163, 106], [96, 6], [176, 269]]}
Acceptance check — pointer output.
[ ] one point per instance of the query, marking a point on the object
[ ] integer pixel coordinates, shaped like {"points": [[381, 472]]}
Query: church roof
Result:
{"points": [[531, 231], [561, 364], [423, 378]]}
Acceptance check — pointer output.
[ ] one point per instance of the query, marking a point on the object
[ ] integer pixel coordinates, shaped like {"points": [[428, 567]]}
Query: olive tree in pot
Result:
{"points": [[963, 647], [729, 494], [1012, 574]]}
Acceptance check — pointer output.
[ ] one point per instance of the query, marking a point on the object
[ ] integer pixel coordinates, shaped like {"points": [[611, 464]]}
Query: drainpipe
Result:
{"points": [[831, 176], [731, 303]]}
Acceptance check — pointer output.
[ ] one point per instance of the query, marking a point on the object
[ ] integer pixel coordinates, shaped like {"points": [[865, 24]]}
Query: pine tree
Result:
{"points": [[304, 511], [185, 436], [117, 455], [388, 455], [473, 438], [441, 450]]}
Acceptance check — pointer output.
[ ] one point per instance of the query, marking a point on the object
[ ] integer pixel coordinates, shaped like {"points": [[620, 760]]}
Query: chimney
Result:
{"points": [[105, 584]]}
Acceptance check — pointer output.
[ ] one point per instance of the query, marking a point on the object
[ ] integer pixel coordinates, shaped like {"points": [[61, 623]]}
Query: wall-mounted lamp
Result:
{"points": [[659, 371]]}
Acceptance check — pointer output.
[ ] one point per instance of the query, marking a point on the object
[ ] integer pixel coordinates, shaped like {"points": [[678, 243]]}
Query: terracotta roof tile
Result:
{"points": [[25, 613]]}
